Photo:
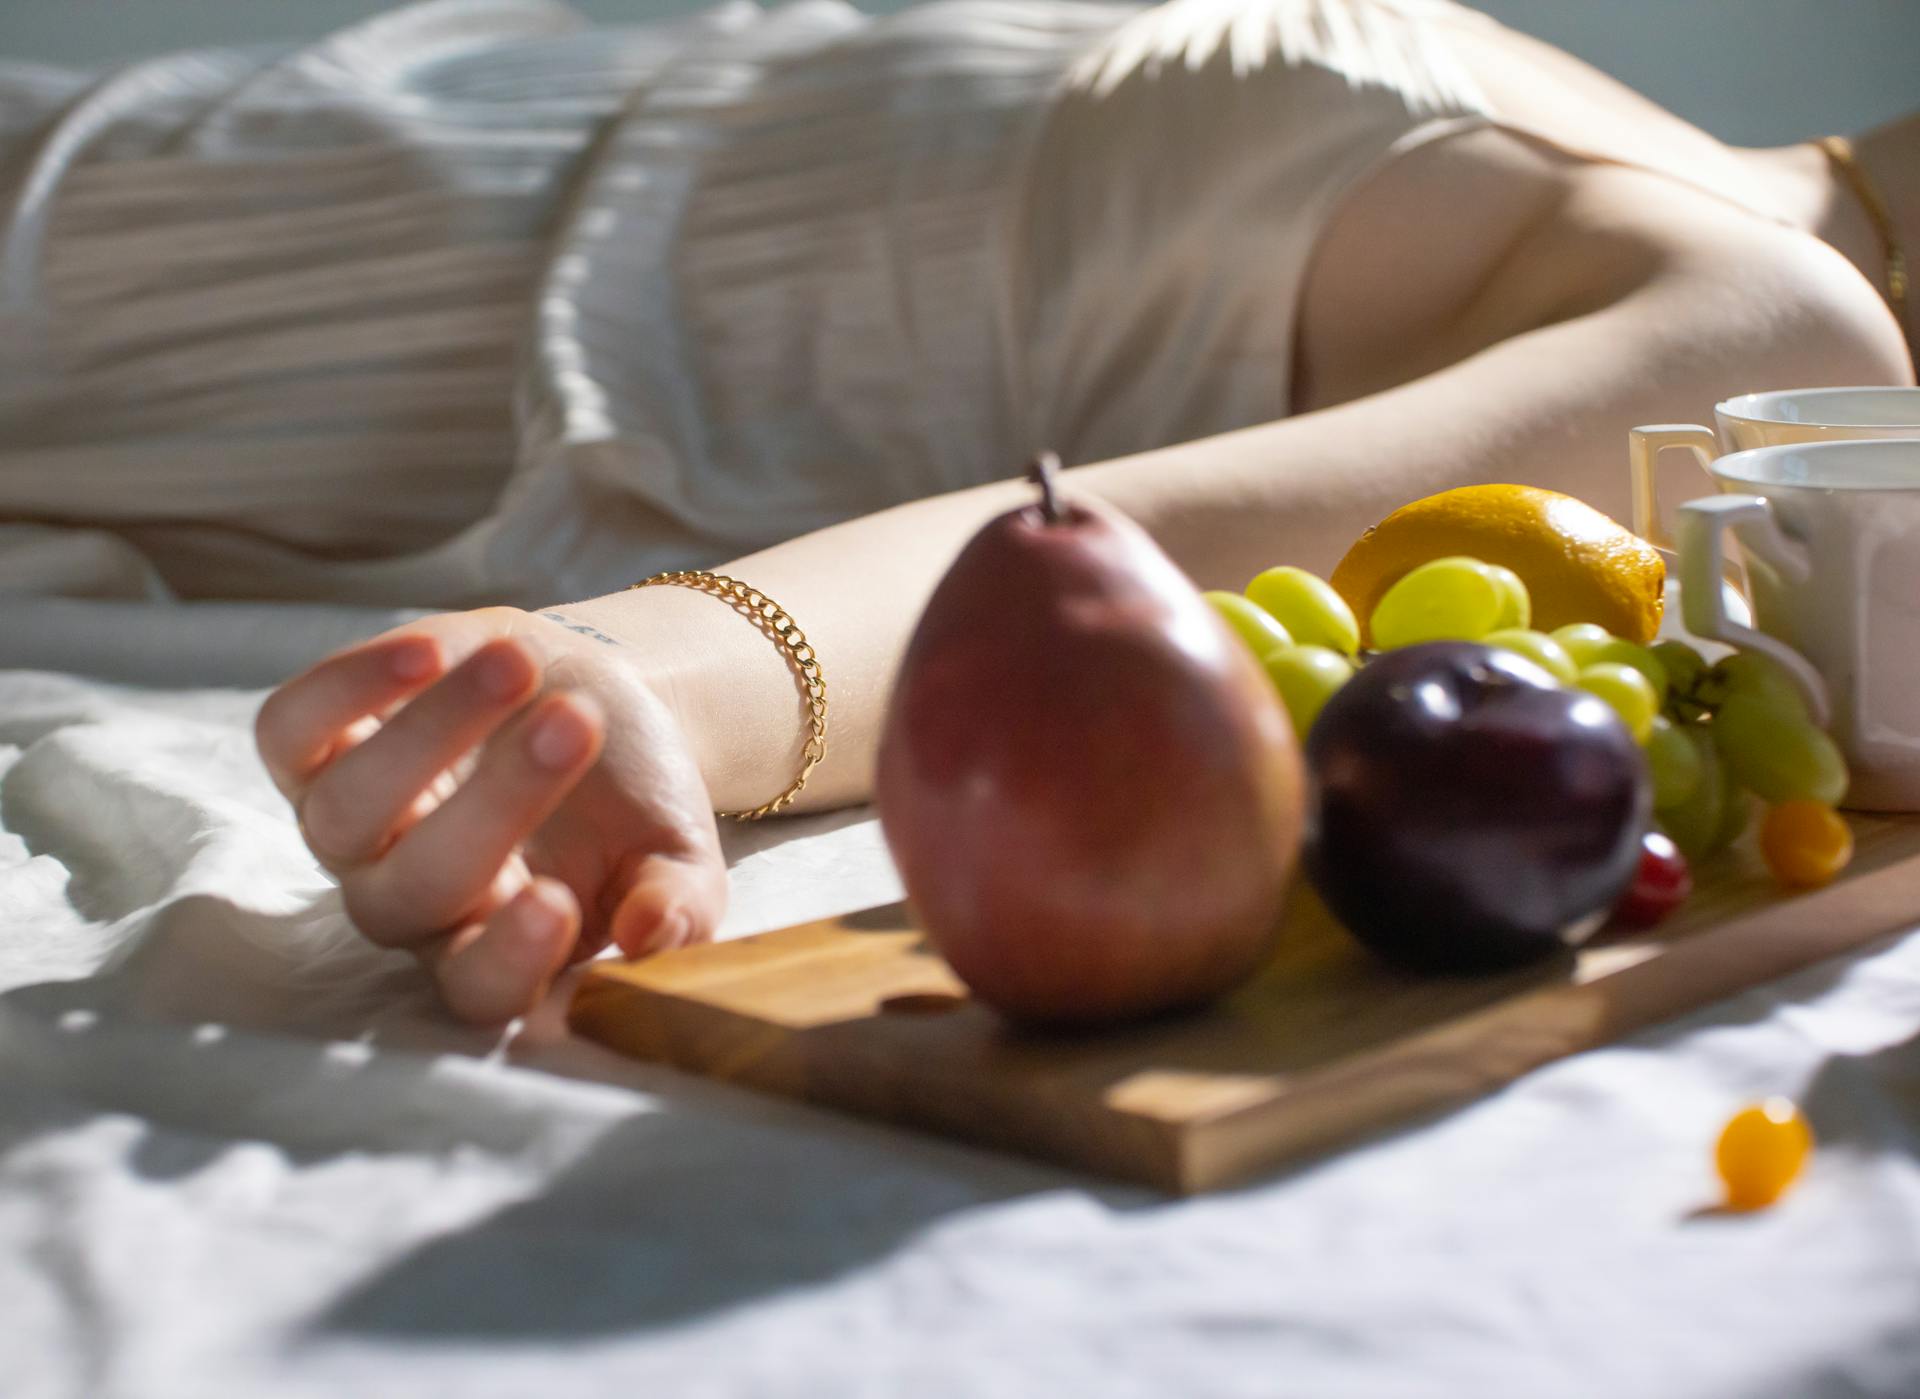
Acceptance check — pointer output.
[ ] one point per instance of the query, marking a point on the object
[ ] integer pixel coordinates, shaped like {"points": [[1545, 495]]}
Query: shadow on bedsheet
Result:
{"points": [[673, 1217], [690, 1200], [1868, 1103], [202, 960], [72, 1055], [694, 1200]]}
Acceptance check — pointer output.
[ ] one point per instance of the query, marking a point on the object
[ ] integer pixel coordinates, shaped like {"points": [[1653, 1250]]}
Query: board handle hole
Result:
{"points": [[923, 1003]]}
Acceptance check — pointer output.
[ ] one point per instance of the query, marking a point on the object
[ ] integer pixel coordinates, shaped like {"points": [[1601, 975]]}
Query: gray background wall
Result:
{"points": [[1753, 71]]}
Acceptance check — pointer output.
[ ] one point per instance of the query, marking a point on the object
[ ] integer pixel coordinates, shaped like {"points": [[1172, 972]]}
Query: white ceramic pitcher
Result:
{"points": [[1776, 419], [1831, 536]]}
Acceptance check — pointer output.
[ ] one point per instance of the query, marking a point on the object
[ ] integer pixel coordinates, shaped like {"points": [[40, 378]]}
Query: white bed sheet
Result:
{"points": [[242, 1154]]}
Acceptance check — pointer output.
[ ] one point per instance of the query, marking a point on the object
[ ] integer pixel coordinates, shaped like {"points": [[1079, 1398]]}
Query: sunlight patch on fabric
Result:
{"points": [[1399, 45]]}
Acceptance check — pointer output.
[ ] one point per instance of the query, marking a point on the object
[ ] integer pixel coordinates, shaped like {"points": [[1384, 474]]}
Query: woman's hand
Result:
{"points": [[501, 796]]}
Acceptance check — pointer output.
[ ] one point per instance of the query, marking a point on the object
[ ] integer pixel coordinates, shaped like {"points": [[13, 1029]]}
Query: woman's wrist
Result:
{"points": [[727, 686]]}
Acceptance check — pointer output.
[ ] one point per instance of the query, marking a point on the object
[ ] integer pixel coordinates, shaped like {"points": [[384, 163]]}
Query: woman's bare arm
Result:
{"points": [[587, 812], [1634, 324]]}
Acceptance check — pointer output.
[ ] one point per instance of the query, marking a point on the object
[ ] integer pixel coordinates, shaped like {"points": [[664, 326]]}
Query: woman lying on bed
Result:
{"points": [[1260, 272]]}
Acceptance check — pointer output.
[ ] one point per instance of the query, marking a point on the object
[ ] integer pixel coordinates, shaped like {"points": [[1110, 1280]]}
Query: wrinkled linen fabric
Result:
{"points": [[477, 302], [242, 1156]]}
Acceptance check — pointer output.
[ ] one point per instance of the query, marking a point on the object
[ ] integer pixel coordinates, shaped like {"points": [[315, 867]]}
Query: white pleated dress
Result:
{"points": [[479, 303]]}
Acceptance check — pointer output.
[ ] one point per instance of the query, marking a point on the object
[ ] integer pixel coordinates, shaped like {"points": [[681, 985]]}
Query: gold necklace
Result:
{"points": [[1839, 150]]}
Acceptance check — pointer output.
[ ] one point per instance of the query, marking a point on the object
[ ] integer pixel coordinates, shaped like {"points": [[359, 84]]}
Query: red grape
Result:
{"points": [[1661, 884]]}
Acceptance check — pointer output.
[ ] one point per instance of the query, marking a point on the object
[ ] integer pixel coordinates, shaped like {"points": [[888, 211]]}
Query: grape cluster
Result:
{"points": [[1736, 730], [1716, 735], [1302, 631]]}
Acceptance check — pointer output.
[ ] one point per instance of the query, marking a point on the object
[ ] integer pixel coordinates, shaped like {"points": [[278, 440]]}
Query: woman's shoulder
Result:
{"points": [[1472, 240]]}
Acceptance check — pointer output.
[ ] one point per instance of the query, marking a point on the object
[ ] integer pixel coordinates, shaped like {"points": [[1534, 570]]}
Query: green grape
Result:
{"points": [[1539, 648], [1582, 641], [1591, 644], [1308, 607], [1696, 823], [1776, 753], [1627, 690], [1752, 676], [1453, 599], [1307, 677], [1254, 625], [1626, 653], [1673, 761], [1516, 604], [1684, 665], [1733, 821]]}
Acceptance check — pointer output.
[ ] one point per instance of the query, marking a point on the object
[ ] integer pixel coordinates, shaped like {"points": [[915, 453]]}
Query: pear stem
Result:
{"points": [[1044, 473]]}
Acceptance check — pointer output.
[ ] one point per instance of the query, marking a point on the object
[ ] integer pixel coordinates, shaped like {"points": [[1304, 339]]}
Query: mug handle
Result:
{"points": [[1702, 527], [1645, 444]]}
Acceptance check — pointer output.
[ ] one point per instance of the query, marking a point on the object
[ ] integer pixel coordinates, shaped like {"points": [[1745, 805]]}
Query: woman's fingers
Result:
{"points": [[300, 725], [444, 871], [357, 804], [665, 901], [490, 972], [430, 769]]}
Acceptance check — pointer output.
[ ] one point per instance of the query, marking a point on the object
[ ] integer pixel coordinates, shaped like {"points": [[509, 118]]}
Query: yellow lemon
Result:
{"points": [[1578, 564]]}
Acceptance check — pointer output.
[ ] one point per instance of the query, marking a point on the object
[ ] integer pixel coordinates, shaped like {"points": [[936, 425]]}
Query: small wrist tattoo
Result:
{"points": [[580, 627]]}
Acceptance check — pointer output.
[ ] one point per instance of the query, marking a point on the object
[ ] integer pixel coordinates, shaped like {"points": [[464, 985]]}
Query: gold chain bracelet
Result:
{"points": [[772, 619]]}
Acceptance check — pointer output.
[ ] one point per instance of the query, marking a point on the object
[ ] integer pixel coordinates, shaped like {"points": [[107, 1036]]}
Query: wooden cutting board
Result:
{"points": [[1327, 1044]]}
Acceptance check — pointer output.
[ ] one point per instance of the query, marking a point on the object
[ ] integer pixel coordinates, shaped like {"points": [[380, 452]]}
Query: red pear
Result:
{"points": [[1091, 790]]}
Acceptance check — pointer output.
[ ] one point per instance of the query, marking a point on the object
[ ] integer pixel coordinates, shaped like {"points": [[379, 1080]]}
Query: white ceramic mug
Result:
{"points": [[1831, 537], [1775, 419]]}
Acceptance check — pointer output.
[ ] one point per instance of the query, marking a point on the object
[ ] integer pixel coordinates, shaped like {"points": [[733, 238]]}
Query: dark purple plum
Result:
{"points": [[1467, 813]]}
